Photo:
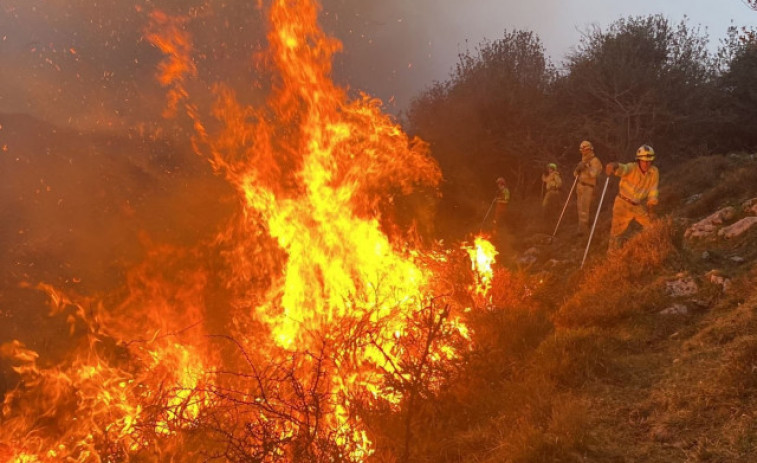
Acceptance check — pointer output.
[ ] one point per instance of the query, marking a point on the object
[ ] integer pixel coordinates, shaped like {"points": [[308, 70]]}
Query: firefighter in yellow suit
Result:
{"points": [[587, 171], [551, 202], [503, 199], [637, 194]]}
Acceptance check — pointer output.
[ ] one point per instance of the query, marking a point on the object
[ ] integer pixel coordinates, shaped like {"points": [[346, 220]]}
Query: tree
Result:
{"points": [[490, 119], [739, 94], [643, 80]]}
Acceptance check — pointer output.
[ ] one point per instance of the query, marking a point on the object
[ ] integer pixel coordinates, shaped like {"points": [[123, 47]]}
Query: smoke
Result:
{"points": [[92, 174], [86, 65]]}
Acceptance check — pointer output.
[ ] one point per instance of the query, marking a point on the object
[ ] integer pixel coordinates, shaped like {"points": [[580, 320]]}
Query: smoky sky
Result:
{"points": [[395, 48], [86, 63]]}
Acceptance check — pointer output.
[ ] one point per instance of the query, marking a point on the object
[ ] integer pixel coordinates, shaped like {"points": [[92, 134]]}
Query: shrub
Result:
{"points": [[616, 288]]}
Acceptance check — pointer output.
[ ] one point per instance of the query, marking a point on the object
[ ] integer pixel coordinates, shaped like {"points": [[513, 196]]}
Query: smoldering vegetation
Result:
{"points": [[80, 209], [562, 366]]}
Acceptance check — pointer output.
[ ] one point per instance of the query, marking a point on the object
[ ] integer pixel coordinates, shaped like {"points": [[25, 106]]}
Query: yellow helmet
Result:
{"points": [[586, 145], [645, 153], [501, 181], [552, 166]]}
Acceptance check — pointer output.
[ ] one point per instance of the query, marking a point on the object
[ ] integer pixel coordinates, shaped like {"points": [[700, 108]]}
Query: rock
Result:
{"points": [[682, 287], [693, 198], [715, 277], [750, 206], [675, 309], [737, 259], [707, 227], [529, 257], [738, 228], [706, 255]]}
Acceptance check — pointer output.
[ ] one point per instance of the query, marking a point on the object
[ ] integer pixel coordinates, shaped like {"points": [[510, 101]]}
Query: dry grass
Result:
{"points": [[580, 367], [572, 357], [694, 177], [719, 181], [704, 400], [618, 286], [535, 424]]}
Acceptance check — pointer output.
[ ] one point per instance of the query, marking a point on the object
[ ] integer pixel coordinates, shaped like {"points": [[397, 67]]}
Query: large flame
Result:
{"points": [[482, 255], [326, 312]]}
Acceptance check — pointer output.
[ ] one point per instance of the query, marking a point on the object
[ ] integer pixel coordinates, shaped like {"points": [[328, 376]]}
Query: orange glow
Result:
{"points": [[322, 313], [482, 255]]}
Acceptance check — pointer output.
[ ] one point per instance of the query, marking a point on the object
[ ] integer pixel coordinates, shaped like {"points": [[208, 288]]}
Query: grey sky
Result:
{"points": [[86, 64], [402, 45]]}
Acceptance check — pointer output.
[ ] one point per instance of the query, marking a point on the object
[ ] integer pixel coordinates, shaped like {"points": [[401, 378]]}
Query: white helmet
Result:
{"points": [[645, 153]]}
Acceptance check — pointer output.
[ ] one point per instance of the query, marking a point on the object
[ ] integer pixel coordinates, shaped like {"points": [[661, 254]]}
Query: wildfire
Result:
{"points": [[327, 315], [482, 255]]}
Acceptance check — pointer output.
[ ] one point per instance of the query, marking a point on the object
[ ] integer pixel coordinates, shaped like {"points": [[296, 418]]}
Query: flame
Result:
{"points": [[483, 255], [326, 312]]}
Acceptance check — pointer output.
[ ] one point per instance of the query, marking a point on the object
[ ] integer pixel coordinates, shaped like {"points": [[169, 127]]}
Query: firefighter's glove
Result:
{"points": [[611, 168], [579, 168]]}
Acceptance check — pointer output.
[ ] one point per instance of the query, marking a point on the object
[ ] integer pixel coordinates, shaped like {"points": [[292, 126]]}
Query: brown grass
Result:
{"points": [[534, 424], [617, 286], [719, 180], [572, 357], [579, 367]]}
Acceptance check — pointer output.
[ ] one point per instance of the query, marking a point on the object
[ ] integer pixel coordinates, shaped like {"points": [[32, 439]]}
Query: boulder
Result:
{"points": [[738, 228], [686, 286], [750, 206], [675, 309], [717, 278], [708, 227]]}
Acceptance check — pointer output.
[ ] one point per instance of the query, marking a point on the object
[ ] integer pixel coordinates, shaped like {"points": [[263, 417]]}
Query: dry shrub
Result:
{"points": [[502, 338], [617, 286], [513, 325], [512, 289], [534, 423], [572, 357]]}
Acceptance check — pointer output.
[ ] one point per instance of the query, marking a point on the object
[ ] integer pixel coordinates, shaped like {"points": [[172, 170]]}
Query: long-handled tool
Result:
{"points": [[487, 213], [565, 207], [596, 216]]}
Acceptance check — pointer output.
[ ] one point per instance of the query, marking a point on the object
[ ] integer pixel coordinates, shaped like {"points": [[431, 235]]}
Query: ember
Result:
{"points": [[327, 316]]}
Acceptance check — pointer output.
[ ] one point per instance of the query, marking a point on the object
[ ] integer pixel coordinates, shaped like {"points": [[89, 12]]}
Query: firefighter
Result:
{"points": [[587, 171], [637, 189], [552, 185], [502, 200]]}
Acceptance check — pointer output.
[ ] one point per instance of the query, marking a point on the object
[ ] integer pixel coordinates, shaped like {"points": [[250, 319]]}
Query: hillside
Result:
{"points": [[79, 209], [648, 354]]}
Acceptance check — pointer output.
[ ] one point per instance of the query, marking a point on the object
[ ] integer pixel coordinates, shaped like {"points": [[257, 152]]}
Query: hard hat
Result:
{"points": [[552, 166], [586, 145], [500, 180], [645, 153]]}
